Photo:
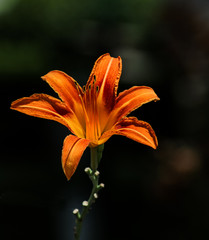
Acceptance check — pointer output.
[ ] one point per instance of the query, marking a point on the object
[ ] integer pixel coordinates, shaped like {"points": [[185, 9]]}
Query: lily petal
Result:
{"points": [[134, 129], [73, 148], [68, 90], [107, 71], [45, 106], [129, 100]]}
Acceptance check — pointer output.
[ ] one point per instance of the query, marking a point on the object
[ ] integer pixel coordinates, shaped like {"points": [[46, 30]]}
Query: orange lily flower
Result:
{"points": [[93, 113]]}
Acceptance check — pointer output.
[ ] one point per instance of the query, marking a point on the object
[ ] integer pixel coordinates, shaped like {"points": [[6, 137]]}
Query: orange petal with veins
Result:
{"points": [[134, 129], [45, 106], [107, 71], [129, 100], [73, 148], [68, 90]]}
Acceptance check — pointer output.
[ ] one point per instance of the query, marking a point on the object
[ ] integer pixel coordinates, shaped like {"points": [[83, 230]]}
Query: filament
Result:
{"points": [[88, 98]]}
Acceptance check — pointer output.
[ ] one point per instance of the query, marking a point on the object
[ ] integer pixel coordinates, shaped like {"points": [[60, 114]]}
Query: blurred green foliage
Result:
{"points": [[163, 44], [33, 32]]}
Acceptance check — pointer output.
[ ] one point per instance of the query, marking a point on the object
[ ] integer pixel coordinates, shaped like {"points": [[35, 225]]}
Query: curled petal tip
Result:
{"points": [[72, 152]]}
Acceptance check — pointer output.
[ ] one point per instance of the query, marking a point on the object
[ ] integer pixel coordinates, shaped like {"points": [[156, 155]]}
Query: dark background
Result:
{"points": [[148, 193]]}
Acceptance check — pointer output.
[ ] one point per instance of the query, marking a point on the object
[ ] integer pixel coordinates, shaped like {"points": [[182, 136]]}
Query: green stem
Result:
{"points": [[94, 159], [96, 154]]}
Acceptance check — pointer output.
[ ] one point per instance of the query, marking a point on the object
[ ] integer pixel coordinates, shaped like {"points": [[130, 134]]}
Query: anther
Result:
{"points": [[96, 173], [94, 78], [97, 89], [90, 87], [75, 83]]}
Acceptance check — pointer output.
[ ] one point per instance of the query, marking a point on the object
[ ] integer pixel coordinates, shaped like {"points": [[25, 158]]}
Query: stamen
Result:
{"points": [[89, 103], [82, 102], [76, 84], [94, 110], [94, 79], [84, 109], [88, 107], [97, 131]]}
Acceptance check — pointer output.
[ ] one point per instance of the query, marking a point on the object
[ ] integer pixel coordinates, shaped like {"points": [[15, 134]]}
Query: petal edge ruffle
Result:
{"points": [[134, 129], [68, 90], [48, 107], [129, 100]]}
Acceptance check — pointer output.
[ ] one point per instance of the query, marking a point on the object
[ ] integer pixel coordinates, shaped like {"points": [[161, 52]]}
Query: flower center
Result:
{"points": [[90, 108]]}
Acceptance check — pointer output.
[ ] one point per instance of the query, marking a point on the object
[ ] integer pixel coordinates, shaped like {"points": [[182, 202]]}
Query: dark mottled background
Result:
{"points": [[161, 194]]}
